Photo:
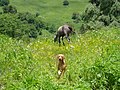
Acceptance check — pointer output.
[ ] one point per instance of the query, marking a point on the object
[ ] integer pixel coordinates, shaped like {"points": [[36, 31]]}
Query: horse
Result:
{"points": [[64, 30]]}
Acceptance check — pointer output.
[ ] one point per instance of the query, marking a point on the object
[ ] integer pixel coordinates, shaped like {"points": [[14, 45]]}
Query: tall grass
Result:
{"points": [[93, 62]]}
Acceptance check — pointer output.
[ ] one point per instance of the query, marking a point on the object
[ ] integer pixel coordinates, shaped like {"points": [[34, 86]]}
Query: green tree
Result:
{"points": [[9, 9], [105, 12], [65, 3], [4, 2], [105, 6], [13, 26], [96, 2]]}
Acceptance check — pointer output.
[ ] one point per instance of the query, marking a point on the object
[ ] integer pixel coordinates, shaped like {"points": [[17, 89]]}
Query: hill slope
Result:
{"points": [[52, 11], [92, 62]]}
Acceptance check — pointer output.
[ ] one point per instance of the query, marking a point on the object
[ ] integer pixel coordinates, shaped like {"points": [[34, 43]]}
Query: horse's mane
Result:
{"points": [[70, 28]]}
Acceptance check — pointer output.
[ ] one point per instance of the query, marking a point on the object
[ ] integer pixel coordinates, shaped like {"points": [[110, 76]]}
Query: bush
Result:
{"points": [[104, 19], [51, 28], [103, 12], [96, 2], [65, 3], [9, 9], [76, 17], [105, 6], [115, 9], [18, 26], [91, 13], [4, 2], [115, 24], [84, 27]]}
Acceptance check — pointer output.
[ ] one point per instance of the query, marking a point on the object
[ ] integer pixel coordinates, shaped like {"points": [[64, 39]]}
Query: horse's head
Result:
{"points": [[71, 30]]}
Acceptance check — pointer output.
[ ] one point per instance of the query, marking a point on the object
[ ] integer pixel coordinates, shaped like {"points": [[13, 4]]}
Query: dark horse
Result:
{"points": [[64, 30]]}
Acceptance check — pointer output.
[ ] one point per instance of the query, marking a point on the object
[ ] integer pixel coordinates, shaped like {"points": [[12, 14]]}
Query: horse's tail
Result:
{"points": [[55, 38]]}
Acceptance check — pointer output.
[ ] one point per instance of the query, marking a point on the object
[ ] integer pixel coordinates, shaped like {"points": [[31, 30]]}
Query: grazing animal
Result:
{"points": [[64, 30], [61, 65]]}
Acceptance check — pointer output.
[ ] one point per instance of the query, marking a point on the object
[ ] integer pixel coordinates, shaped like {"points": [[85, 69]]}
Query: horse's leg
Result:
{"points": [[59, 41], [63, 41], [67, 37], [55, 38]]}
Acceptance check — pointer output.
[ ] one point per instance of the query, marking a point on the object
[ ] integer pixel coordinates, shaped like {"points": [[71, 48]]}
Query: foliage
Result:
{"points": [[9, 9], [51, 28], [91, 13], [114, 24], [4, 2], [105, 19], [52, 13], [103, 11], [115, 9], [65, 2], [105, 6], [20, 25], [76, 17], [96, 2], [105, 72], [92, 59]]}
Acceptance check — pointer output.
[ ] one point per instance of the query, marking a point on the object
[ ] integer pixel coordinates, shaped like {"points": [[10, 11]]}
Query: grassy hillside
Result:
{"points": [[51, 11], [93, 58], [92, 62]]}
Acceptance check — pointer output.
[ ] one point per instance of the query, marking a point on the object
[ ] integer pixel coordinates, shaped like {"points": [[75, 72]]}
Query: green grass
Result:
{"points": [[93, 58], [92, 62], [51, 11]]}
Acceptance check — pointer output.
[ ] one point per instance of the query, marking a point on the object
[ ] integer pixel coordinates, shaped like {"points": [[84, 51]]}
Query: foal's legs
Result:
{"points": [[67, 37], [63, 41], [59, 41], [55, 38]]}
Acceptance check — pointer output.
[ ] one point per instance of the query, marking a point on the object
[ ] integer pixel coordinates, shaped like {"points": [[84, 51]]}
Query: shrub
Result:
{"points": [[114, 24], [26, 17], [18, 26], [115, 9], [84, 27], [4, 2], [91, 13], [65, 3], [99, 12], [9, 9], [51, 28], [104, 19], [96, 2], [76, 17], [105, 6]]}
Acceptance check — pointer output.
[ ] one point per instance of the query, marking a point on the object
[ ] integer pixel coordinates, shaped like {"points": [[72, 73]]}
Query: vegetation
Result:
{"points": [[4, 2], [20, 25], [65, 3], [99, 13], [93, 58], [9, 9], [92, 62]]}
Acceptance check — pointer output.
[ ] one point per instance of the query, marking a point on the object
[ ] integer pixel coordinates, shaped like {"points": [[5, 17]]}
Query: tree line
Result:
{"points": [[98, 14], [21, 25]]}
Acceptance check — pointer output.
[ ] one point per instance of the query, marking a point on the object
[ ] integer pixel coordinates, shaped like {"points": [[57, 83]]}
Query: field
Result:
{"points": [[51, 11], [93, 58], [92, 61]]}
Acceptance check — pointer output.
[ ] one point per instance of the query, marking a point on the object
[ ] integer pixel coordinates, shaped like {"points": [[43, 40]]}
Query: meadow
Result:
{"points": [[92, 62], [93, 58], [52, 11]]}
